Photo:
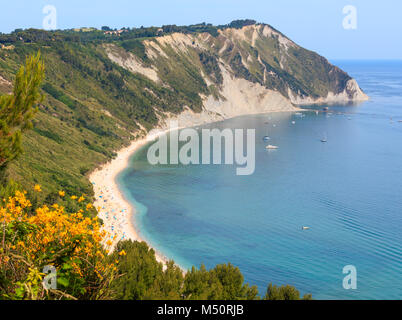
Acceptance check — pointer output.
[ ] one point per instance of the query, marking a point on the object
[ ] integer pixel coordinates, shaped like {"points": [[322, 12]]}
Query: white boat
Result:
{"points": [[305, 228], [271, 147], [266, 138], [324, 140], [293, 122]]}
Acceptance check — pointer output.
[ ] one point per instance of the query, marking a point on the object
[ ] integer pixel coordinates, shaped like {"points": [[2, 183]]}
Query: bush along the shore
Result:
{"points": [[141, 277]]}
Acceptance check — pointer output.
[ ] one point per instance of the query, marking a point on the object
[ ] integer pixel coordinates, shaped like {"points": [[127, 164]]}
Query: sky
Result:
{"points": [[374, 32]]}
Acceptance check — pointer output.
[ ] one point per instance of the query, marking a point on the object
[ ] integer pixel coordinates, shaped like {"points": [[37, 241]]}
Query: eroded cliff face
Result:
{"points": [[5, 85], [255, 69]]}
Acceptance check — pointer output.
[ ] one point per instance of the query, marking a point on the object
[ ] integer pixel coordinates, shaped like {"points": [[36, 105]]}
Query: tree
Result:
{"points": [[138, 270], [238, 24], [202, 285], [18, 108], [232, 282], [167, 285], [284, 293]]}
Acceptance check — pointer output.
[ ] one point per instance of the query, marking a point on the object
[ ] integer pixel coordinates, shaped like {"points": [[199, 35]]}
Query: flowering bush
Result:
{"points": [[70, 243]]}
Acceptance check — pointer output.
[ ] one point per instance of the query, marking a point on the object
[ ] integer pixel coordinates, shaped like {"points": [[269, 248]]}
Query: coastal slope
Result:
{"points": [[104, 89]]}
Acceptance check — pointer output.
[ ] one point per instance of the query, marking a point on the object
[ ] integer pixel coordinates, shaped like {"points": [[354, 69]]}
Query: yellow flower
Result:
{"points": [[122, 253], [89, 206], [82, 198], [62, 193], [37, 188], [73, 197], [51, 230]]}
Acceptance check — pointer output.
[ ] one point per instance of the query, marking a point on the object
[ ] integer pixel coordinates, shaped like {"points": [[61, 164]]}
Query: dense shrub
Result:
{"points": [[142, 277], [69, 242]]}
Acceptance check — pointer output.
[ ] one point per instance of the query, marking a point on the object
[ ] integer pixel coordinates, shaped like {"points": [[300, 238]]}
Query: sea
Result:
{"points": [[347, 191]]}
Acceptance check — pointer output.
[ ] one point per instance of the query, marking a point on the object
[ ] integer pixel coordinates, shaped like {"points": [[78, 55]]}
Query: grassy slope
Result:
{"points": [[92, 107], [69, 138]]}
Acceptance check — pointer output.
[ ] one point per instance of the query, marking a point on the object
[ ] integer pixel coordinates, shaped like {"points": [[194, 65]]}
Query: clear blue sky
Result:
{"points": [[314, 24]]}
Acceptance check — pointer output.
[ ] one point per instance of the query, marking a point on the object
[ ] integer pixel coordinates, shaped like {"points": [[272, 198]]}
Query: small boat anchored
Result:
{"points": [[266, 138], [271, 147], [305, 228]]}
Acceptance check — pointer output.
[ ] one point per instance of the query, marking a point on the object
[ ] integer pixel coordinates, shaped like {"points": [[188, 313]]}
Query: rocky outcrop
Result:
{"points": [[351, 93], [129, 61]]}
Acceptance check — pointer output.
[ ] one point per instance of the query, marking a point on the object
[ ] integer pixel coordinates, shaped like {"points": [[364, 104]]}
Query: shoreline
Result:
{"points": [[113, 208]]}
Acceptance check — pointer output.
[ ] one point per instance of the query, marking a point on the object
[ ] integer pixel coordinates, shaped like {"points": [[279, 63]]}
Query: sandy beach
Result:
{"points": [[115, 211]]}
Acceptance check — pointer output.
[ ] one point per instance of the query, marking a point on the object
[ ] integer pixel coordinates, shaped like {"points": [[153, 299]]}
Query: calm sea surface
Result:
{"points": [[348, 191]]}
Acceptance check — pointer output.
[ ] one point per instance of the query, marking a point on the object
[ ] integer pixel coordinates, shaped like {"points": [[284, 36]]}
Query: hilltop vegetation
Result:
{"points": [[106, 34]]}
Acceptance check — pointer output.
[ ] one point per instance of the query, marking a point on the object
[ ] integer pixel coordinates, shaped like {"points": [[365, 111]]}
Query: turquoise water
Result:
{"points": [[347, 190]]}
